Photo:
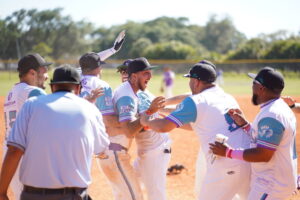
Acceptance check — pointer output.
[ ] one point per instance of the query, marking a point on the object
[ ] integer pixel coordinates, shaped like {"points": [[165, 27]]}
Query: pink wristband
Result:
{"points": [[228, 152], [246, 127], [237, 154]]}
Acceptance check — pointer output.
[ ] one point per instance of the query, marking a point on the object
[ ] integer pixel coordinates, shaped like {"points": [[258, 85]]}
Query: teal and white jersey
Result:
{"points": [[104, 102], [15, 100], [207, 113], [274, 128], [125, 102], [148, 140]]}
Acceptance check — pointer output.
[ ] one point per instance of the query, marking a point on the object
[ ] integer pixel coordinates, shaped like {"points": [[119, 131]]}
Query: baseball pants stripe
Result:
{"points": [[264, 196], [124, 176]]}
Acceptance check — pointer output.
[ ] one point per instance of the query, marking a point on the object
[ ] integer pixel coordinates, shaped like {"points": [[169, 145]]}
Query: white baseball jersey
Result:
{"points": [[211, 118], [207, 113], [274, 128], [59, 133], [104, 102], [15, 100], [148, 140]]}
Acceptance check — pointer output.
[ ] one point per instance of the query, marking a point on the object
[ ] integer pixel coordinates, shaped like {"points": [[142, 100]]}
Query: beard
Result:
{"points": [[140, 86], [254, 99]]}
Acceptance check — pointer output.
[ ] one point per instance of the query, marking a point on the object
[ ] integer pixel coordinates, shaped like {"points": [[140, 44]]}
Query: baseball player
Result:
{"points": [[90, 64], [117, 167], [32, 70], [273, 154], [206, 110], [154, 152]]}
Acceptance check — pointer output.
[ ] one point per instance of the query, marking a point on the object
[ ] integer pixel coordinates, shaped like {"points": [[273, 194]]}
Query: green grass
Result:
{"points": [[236, 84]]}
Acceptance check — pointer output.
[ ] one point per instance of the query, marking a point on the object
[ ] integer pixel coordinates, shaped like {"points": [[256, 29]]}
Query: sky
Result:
{"points": [[251, 17]]}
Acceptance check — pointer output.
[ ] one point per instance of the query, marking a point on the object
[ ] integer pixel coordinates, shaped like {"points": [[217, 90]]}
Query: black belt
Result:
{"points": [[67, 190]]}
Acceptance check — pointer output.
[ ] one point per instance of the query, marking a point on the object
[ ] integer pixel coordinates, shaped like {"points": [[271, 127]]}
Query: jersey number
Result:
{"points": [[10, 119]]}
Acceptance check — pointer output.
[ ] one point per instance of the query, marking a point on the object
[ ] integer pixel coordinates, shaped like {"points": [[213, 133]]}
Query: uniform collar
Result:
{"points": [[268, 102]]}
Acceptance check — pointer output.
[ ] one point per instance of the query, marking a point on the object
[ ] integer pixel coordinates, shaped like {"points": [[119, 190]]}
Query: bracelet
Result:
{"points": [[246, 127], [148, 112], [292, 106], [228, 152]]}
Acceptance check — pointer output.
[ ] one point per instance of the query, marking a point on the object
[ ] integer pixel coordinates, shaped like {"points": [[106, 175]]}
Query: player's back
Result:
{"points": [[212, 118], [104, 102], [15, 100]]}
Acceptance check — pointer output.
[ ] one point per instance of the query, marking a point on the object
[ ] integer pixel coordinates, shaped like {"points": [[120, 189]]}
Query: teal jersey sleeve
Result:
{"points": [[36, 92], [185, 113], [104, 102], [126, 108], [270, 132], [144, 102]]}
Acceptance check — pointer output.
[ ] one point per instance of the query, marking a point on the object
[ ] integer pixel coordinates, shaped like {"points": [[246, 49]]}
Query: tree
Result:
{"points": [[221, 36], [170, 50]]}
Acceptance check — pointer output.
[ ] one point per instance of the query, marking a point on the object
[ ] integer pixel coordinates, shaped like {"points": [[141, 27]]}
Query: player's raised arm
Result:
{"points": [[115, 48]]}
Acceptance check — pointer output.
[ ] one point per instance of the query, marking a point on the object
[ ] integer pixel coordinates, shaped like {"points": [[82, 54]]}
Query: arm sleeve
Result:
{"points": [[270, 132], [126, 109], [101, 141], [185, 113], [104, 102], [18, 134], [36, 92], [106, 53]]}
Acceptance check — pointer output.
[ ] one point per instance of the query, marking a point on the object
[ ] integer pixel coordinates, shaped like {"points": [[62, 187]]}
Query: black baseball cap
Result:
{"points": [[90, 61], [124, 66], [65, 74], [269, 78], [139, 64], [31, 61], [203, 71]]}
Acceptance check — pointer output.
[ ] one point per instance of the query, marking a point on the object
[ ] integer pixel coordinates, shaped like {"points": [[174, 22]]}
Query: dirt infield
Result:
{"points": [[184, 151]]}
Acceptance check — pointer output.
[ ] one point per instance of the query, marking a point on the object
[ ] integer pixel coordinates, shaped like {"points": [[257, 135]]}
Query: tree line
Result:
{"points": [[56, 36]]}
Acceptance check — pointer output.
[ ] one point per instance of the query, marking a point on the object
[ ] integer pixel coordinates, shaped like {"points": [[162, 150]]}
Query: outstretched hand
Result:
{"points": [[288, 100], [119, 41], [238, 116], [157, 103], [95, 94]]}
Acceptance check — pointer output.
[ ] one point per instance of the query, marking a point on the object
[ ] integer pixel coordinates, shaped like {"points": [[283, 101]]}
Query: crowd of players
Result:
{"points": [[51, 139]]}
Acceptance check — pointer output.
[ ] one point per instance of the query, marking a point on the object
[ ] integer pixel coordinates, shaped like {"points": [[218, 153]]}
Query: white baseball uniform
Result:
{"points": [[154, 154], [207, 111], [117, 167], [274, 128], [12, 105], [104, 102]]}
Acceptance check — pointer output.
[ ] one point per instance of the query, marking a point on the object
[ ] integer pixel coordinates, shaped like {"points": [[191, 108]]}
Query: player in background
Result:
{"points": [[153, 150], [273, 154], [168, 82], [33, 74], [206, 112]]}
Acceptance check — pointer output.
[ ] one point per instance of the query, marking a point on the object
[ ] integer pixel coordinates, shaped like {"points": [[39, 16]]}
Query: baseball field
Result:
{"points": [[185, 144]]}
